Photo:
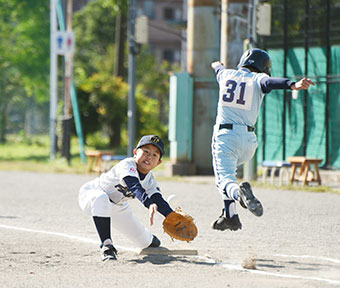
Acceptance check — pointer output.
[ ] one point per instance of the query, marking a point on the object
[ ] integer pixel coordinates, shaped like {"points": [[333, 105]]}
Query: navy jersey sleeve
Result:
{"points": [[272, 83], [136, 188], [163, 206]]}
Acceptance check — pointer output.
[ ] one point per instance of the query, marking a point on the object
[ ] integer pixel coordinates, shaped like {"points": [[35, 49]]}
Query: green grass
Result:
{"points": [[33, 154]]}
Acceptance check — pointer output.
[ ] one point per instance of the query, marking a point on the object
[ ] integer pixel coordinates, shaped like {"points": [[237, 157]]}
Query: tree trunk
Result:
{"points": [[3, 112], [115, 138], [120, 39]]}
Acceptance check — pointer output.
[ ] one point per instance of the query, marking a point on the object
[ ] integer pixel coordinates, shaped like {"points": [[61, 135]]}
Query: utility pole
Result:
{"points": [[252, 23], [67, 118], [132, 79], [250, 167], [203, 37], [53, 78]]}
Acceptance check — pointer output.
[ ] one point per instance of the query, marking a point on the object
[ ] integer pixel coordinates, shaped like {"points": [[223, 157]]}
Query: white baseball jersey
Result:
{"points": [[114, 186], [240, 96], [105, 197]]}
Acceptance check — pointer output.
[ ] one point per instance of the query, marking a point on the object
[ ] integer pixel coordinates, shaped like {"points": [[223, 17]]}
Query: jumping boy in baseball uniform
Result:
{"points": [[234, 142], [105, 198]]}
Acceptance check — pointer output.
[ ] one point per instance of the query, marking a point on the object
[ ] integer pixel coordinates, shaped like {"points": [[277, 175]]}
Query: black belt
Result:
{"points": [[230, 127]]}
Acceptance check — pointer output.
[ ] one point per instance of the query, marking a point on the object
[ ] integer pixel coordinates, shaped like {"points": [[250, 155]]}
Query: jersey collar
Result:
{"points": [[245, 69]]}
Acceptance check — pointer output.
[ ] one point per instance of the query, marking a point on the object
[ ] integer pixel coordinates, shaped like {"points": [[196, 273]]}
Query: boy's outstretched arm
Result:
{"points": [[136, 188]]}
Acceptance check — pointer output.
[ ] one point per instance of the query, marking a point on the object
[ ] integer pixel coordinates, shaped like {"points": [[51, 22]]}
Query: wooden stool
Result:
{"points": [[305, 174], [96, 156]]}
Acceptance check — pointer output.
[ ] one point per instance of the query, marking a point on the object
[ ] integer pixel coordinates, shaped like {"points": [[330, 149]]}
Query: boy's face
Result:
{"points": [[147, 157]]}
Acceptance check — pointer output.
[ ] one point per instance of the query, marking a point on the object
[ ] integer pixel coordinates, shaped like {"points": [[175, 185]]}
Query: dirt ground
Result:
{"points": [[47, 241]]}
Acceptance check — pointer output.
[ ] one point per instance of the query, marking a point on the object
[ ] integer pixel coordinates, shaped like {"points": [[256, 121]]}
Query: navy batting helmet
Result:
{"points": [[257, 59]]}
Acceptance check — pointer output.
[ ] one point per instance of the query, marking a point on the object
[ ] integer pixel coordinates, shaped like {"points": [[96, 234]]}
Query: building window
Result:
{"points": [[168, 14], [149, 9], [169, 55], [178, 14]]}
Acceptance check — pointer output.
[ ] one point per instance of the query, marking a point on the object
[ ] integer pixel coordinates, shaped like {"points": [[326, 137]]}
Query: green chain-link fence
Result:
{"points": [[302, 131]]}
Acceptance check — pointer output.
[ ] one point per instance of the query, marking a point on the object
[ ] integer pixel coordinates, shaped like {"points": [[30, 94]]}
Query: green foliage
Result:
{"points": [[94, 27], [97, 88], [24, 59], [153, 95], [109, 95], [148, 116], [24, 45]]}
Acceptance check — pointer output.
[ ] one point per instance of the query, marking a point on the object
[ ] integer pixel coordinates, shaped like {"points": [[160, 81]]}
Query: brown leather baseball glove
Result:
{"points": [[180, 226]]}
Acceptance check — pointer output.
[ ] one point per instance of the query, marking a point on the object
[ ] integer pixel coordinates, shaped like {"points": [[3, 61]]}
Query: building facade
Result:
{"points": [[164, 28]]}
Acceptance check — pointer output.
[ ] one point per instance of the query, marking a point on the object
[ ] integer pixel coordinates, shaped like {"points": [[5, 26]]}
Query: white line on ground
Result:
{"points": [[236, 267], [240, 268], [206, 259], [310, 257], [77, 238]]}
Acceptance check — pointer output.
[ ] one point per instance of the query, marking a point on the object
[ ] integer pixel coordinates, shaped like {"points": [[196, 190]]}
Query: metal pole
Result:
{"points": [[305, 110], [67, 119], [53, 79], [285, 45], [264, 129], [328, 55], [224, 33], [68, 66], [132, 79], [253, 39]]}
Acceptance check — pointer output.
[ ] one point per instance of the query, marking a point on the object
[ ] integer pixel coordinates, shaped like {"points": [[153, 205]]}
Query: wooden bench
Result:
{"points": [[305, 174], [95, 156], [108, 161], [272, 167]]}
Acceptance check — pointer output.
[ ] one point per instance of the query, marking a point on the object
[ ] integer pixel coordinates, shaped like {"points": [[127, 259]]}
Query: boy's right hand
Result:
{"points": [[153, 208]]}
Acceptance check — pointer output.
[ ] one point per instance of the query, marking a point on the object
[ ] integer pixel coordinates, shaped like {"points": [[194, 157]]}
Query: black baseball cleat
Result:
{"points": [[224, 223], [155, 242], [248, 200], [108, 252]]}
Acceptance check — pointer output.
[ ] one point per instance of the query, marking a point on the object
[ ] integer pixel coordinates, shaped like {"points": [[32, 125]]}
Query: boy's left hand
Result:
{"points": [[215, 64], [152, 209], [304, 83]]}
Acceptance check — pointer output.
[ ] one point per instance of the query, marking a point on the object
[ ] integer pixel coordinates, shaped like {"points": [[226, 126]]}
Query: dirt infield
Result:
{"points": [[46, 240]]}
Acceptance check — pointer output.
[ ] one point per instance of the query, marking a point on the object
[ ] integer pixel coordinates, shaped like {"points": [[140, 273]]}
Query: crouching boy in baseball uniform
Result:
{"points": [[105, 198]]}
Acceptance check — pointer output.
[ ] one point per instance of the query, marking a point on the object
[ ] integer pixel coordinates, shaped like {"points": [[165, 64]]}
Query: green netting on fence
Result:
{"points": [[334, 149], [308, 110]]}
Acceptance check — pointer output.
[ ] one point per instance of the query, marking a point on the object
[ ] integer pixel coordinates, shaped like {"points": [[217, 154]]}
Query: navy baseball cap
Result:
{"points": [[152, 139]]}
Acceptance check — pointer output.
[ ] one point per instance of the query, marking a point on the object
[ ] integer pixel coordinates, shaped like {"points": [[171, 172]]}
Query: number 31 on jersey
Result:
{"points": [[237, 94]]}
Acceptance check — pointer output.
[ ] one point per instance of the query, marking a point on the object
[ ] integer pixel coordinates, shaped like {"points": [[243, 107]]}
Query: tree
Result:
{"points": [[154, 78], [108, 95], [24, 52], [94, 65], [94, 27]]}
